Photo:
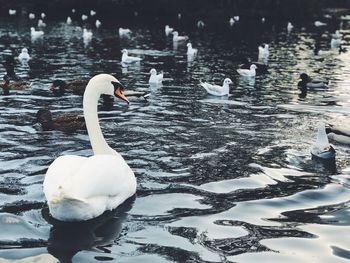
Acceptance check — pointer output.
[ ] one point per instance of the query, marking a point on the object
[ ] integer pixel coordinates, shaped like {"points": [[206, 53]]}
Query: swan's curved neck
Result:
{"points": [[90, 102]]}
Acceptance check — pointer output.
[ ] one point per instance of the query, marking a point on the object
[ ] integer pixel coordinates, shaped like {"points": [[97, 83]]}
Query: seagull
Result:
{"points": [[84, 17], [69, 20], [124, 31], [43, 15], [98, 23], [73, 10], [24, 56], [217, 90], [190, 50], [321, 148], [87, 35], [36, 34], [12, 12], [129, 59], [176, 37], [236, 18], [248, 72], [263, 52], [168, 30], [31, 16], [155, 78], [92, 12], [41, 23], [319, 23], [335, 42], [231, 21], [289, 27]]}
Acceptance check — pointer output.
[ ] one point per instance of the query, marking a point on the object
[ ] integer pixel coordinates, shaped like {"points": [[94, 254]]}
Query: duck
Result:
{"points": [[69, 20], [79, 188], [98, 23], [340, 134], [217, 90], [124, 31], [41, 23], [77, 87], [8, 85], [68, 122], [248, 72], [31, 16], [289, 26], [307, 83], [129, 59], [24, 56], [84, 17], [36, 34], [155, 78], [321, 149], [12, 12], [231, 21], [190, 50], [168, 30], [176, 37]]}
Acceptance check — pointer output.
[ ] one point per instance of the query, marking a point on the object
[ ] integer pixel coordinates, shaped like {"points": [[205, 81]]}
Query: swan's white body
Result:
{"points": [[155, 78], [24, 56], [36, 34], [217, 90], [247, 72], [80, 188], [176, 37], [200, 24], [168, 30], [129, 59], [190, 50]]}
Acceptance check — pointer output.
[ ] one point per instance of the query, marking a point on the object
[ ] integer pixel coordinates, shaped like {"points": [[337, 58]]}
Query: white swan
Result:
{"points": [[155, 78], [217, 90], [80, 188], [247, 72], [84, 17], [41, 23]]}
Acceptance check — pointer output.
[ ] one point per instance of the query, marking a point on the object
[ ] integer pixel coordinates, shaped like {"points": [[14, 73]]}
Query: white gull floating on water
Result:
{"points": [[124, 31], [168, 30], [190, 50], [41, 23], [321, 148], [12, 12], [129, 59], [31, 16], [98, 23], [24, 56], [69, 20], [155, 78], [36, 34], [248, 72], [84, 17], [176, 37], [217, 90]]}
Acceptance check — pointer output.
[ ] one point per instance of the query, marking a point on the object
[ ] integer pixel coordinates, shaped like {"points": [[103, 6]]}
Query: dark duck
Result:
{"points": [[307, 83], [8, 85], [77, 87]]}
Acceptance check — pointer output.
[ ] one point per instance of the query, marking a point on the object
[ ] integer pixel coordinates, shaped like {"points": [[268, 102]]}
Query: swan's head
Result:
{"points": [[153, 71], [227, 81], [108, 85], [24, 50], [253, 66], [124, 51]]}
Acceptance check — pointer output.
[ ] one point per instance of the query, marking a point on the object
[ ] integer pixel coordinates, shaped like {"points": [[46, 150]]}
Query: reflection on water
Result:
{"points": [[219, 179]]}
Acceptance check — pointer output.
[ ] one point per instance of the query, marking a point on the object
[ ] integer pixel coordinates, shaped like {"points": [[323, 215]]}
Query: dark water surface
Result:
{"points": [[219, 179]]}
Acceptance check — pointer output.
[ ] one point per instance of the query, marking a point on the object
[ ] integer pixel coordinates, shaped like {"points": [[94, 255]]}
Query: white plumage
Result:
{"points": [[155, 78], [36, 34], [217, 90], [24, 56], [84, 17], [168, 30], [190, 50], [12, 12], [69, 20], [124, 31], [31, 16], [289, 26], [80, 188], [129, 59], [176, 37], [41, 23], [98, 23], [92, 12], [248, 72]]}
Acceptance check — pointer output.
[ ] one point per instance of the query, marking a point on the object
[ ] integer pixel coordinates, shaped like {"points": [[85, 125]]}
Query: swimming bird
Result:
{"points": [[155, 78], [337, 35], [129, 59], [80, 188], [217, 90], [176, 37], [98, 23], [179, 16], [73, 10], [77, 87], [24, 56], [8, 85], [306, 82], [87, 34], [338, 133], [190, 50], [335, 42], [92, 12], [263, 20], [69, 20], [200, 24], [263, 51], [248, 72], [321, 148], [319, 23], [68, 122], [43, 15], [236, 18], [41, 23], [12, 12], [261, 67], [289, 26], [84, 17], [124, 31], [231, 21], [36, 34], [31, 16], [168, 30]]}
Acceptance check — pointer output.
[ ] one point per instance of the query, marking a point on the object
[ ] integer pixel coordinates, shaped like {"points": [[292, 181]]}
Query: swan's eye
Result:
{"points": [[117, 85]]}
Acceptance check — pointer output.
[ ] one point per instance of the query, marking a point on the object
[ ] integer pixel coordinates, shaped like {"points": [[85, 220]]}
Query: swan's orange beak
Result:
{"points": [[118, 93]]}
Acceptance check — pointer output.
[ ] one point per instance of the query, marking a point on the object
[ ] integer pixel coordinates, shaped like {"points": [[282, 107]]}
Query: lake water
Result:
{"points": [[219, 179]]}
